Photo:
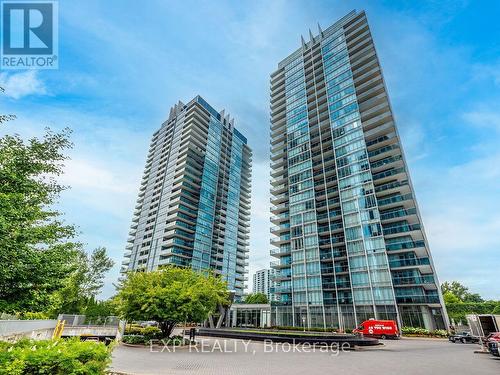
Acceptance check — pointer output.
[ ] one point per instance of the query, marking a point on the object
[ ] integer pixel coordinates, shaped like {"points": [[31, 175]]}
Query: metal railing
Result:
{"points": [[82, 320]]}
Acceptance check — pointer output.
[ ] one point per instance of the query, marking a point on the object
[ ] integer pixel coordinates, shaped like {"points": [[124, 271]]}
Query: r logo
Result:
{"points": [[27, 28], [29, 34]]}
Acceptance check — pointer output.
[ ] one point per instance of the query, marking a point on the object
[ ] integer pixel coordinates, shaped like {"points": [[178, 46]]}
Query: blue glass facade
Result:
{"points": [[202, 249], [194, 203], [348, 236], [233, 199]]}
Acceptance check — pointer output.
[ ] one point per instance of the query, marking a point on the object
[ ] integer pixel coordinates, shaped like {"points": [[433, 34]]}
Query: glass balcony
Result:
{"points": [[401, 229], [417, 299], [405, 245], [282, 238], [397, 213], [390, 172], [390, 185], [277, 228], [283, 289], [281, 251], [408, 262], [394, 199], [410, 280]]}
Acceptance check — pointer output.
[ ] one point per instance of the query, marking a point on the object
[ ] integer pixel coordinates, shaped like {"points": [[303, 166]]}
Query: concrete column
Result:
{"points": [[426, 316]]}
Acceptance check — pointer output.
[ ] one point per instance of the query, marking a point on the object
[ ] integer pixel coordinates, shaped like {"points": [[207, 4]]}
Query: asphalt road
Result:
{"points": [[232, 357]]}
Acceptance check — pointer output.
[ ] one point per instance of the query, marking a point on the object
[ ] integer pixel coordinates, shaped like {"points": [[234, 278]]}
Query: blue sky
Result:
{"points": [[122, 64]]}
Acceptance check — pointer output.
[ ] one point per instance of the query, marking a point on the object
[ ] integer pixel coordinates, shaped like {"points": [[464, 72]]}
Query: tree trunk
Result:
{"points": [[166, 326]]}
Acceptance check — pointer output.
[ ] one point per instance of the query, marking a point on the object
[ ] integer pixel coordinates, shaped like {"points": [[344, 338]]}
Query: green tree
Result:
{"points": [[455, 288], [496, 310], [460, 291], [256, 298], [84, 283], [473, 297], [449, 298], [170, 295], [36, 247], [99, 308]]}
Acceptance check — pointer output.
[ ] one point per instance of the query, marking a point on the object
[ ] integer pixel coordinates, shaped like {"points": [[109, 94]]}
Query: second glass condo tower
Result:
{"points": [[193, 208], [349, 240]]}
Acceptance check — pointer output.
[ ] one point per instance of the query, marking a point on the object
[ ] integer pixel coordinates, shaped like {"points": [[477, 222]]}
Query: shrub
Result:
{"points": [[133, 330], [134, 339], [440, 333], [417, 331], [29, 315], [152, 333], [143, 340], [177, 341], [458, 311], [149, 333], [67, 356]]}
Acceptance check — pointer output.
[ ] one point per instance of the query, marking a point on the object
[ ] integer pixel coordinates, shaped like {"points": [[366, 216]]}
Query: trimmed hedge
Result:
{"points": [[144, 340], [422, 332], [458, 311], [149, 333], [60, 357]]}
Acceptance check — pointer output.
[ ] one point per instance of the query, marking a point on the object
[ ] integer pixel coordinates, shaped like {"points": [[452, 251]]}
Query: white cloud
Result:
{"points": [[22, 84], [483, 118], [462, 221], [87, 174], [490, 72], [103, 174]]}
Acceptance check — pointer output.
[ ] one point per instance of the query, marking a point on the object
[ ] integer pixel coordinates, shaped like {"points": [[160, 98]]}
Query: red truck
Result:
{"points": [[378, 328]]}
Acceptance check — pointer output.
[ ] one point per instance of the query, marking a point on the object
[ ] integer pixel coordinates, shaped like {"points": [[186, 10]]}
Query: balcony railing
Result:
{"points": [[285, 237], [405, 245], [401, 229], [395, 199], [398, 213], [390, 172], [409, 262], [280, 251], [417, 299], [410, 280]]}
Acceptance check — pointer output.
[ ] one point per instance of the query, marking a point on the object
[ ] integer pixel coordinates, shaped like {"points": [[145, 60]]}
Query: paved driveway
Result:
{"points": [[232, 357]]}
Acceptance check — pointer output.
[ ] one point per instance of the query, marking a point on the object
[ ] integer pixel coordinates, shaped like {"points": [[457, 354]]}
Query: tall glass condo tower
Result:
{"points": [[348, 236], [193, 208]]}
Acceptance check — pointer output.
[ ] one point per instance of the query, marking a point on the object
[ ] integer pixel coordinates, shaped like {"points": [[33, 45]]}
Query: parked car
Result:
{"points": [[494, 348], [464, 338], [493, 336], [378, 328]]}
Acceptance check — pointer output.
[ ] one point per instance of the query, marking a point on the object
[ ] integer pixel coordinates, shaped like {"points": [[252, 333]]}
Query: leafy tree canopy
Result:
{"points": [[450, 298], [256, 298], [170, 295], [460, 291], [496, 310], [43, 267], [36, 247], [81, 287]]}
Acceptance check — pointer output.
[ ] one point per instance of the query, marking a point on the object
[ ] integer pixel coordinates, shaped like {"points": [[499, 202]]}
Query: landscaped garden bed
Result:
{"points": [[138, 336], [422, 332], [63, 356]]}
